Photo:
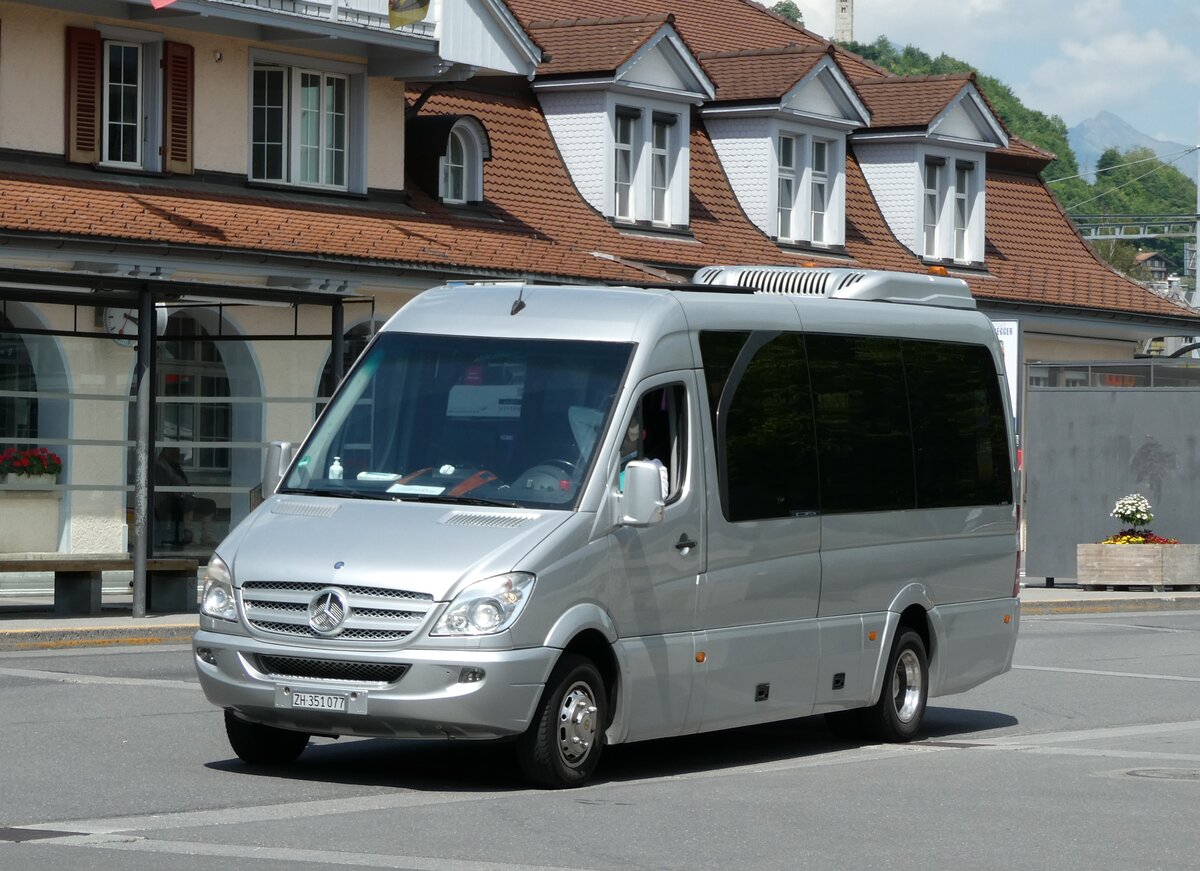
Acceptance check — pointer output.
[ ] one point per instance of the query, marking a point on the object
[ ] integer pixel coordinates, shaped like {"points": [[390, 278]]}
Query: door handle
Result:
{"points": [[684, 544]]}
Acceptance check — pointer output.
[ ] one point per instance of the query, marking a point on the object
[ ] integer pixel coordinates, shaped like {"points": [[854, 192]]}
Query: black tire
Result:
{"points": [[898, 714], [263, 745], [562, 746]]}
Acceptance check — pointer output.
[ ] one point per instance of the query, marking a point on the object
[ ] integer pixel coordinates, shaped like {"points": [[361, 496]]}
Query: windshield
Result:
{"points": [[465, 419]]}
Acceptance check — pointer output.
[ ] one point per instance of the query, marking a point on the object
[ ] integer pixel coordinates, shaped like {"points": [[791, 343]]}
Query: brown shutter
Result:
{"points": [[178, 87], [84, 76]]}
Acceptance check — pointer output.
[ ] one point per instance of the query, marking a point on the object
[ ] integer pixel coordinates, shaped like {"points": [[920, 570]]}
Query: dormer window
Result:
{"points": [[947, 209], [462, 165], [633, 93], [445, 156], [809, 190], [781, 139], [646, 188], [927, 163]]}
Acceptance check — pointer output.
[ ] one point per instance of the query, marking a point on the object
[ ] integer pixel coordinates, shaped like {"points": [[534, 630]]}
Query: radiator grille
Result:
{"points": [[330, 669], [375, 614]]}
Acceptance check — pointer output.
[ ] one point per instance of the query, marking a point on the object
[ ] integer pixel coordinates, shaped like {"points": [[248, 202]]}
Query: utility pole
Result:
{"points": [[843, 27]]}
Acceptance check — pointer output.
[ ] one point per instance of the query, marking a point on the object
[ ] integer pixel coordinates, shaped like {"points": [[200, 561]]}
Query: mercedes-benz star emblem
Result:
{"points": [[327, 612]]}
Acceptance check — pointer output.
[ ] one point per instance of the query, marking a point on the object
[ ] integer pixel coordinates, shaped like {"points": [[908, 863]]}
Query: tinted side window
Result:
{"points": [[864, 438], [959, 433], [766, 454]]}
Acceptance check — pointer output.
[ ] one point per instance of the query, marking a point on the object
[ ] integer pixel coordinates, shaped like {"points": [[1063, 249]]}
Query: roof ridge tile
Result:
{"points": [[650, 18]]}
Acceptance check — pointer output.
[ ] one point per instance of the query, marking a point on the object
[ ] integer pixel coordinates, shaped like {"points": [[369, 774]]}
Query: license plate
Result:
{"points": [[318, 701], [311, 699]]}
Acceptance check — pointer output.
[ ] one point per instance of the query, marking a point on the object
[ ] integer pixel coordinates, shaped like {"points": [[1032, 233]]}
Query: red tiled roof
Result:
{"points": [[111, 210], [760, 74], [1038, 257], [706, 25], [909, 102], [592, 45]]}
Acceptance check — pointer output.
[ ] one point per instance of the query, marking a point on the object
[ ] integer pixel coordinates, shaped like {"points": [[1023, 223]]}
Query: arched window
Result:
{"points": [[455, 172], [194, 428], [467, 147], [18, 408]]}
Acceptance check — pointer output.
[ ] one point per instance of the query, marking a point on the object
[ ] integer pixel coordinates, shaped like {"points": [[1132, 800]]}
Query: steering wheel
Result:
{"points": [[566, 465], [546, 476]]}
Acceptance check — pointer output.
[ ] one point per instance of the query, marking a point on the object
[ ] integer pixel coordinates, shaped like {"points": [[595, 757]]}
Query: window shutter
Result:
{"points": [[83, 95], [179, 78]]}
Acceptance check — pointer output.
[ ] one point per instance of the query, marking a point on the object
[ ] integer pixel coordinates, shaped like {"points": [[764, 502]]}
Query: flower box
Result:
{"points": [[1121, 566], [13, 481]]}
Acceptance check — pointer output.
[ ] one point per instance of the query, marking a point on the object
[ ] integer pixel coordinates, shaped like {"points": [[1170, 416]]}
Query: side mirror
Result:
{"points": [[642, 502], [275, 465]]}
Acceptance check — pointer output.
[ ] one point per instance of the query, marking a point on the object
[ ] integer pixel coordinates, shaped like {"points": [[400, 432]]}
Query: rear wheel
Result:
{"points": [[898, 714], [263, 745], [562, 746]]}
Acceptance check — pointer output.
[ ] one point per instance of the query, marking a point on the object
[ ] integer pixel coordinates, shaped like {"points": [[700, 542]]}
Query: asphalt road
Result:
{"points": [[1085, 756]]}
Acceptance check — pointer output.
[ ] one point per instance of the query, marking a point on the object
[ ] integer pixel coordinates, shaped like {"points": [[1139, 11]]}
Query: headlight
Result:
{"points": [[486, 607], [218, 600]]}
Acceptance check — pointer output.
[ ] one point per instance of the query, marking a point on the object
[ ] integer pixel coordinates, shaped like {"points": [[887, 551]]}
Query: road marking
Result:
{"points": [[112, 680], [417, 799], [1171, 677], [292, 855], [1065, 737]]}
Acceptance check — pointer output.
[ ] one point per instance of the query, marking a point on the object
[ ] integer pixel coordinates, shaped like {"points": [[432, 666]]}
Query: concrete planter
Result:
{"points": [[30, 519], [1121, 566], [13, 481]]}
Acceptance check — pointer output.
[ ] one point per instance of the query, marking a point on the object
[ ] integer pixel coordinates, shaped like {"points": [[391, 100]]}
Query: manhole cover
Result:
{"points": [[1167, 773]]}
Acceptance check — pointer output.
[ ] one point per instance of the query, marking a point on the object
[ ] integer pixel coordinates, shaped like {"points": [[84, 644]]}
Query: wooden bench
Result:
{"points": [[170, 583]]}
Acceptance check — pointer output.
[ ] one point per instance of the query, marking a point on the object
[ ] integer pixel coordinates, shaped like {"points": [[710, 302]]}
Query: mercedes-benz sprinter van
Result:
{"points": [[579, 516]]}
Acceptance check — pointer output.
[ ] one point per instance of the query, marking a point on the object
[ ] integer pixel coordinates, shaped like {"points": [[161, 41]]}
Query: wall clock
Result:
{"points": [[122, 323]]}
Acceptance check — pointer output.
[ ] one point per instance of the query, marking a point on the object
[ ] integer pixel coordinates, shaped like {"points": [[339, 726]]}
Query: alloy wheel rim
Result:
{"points": [[906, 686], [577, 724]]}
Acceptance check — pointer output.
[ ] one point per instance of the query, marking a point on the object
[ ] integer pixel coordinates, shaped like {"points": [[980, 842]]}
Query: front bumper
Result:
{"points": [[428, 701]]}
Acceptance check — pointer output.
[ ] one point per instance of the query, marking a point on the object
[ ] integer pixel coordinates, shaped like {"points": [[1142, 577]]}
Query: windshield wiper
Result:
{"points": [[378, 496], [457, 500]]}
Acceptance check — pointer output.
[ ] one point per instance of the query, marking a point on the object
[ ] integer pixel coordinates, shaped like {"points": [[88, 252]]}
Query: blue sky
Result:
{"points": [[1139, 59]]}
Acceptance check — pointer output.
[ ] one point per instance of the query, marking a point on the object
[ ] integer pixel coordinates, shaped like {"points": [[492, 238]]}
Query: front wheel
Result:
{"points": [[898, 714], [263, 745], [561, 748]]}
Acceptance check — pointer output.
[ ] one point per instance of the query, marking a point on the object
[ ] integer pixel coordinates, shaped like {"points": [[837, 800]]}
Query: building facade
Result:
{"points": [[251, 188]]}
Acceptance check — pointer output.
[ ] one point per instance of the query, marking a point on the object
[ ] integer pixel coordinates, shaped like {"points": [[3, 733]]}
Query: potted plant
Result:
{"points": [[1135, 556], [32, 467]]}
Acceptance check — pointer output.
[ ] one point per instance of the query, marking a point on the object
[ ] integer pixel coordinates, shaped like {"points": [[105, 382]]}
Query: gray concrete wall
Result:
{"points": [[1085, 448]]}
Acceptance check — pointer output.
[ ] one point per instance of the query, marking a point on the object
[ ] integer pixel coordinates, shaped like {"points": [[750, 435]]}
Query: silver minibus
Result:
{"points": [[576, 516]]}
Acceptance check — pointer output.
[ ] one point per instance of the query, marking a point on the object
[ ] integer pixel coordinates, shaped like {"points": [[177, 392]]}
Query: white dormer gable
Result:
{"points": [[825, 95], [663, 63], [967, 120], [625, 133]]}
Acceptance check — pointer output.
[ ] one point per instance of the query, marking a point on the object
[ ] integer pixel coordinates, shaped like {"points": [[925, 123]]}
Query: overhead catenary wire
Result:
{"points": [[1132, 180]]}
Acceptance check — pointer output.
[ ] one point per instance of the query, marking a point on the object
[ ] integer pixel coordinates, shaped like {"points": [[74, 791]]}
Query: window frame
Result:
{"points": [[109, 105], [931, 206], [353, 143], [471, 138], [809, 226], [964, 173], [785, 187], [649, 137]]}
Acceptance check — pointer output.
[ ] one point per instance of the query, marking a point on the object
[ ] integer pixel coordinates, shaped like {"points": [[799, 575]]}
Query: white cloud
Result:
{"points": [[1109, 72]]}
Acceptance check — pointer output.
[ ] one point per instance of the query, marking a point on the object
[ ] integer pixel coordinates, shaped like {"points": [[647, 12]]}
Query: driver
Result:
{"points": [[633, 447]]}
